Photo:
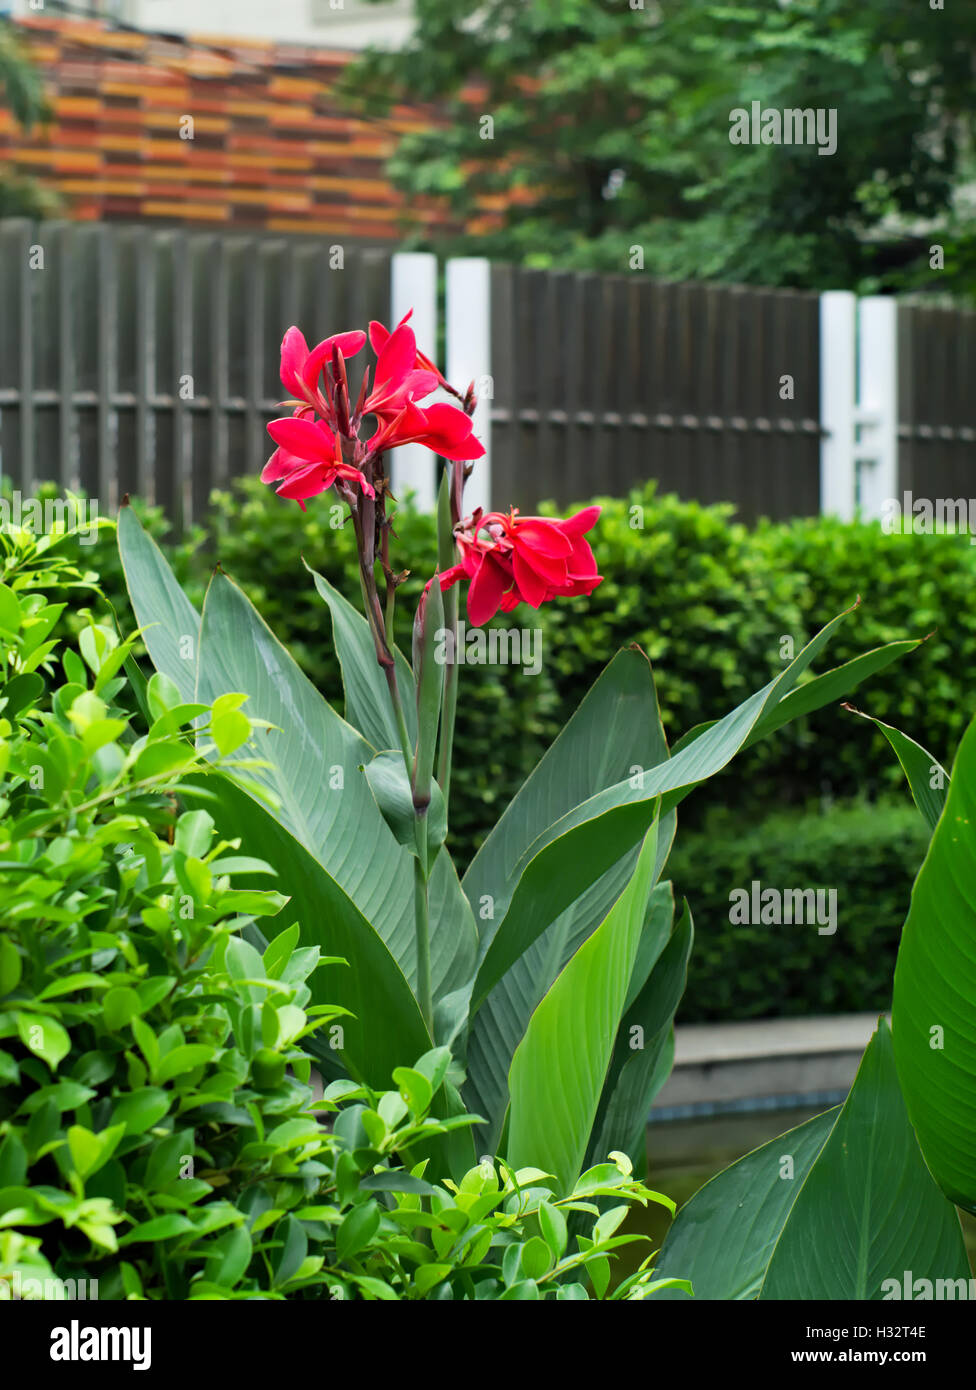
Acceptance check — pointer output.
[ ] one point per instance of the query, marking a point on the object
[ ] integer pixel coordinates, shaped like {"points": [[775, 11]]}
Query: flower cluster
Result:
{"points": [[508, 559], [319, 443], [522, 559]]}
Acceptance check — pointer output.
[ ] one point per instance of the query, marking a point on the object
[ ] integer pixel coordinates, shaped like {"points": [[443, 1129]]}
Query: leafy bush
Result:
{"points": [[869, 853]]}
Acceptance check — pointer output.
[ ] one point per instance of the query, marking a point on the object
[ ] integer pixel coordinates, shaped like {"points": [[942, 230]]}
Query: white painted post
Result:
{"points": [[414, 286], [469, 359], [838, 480], [876, 418]]}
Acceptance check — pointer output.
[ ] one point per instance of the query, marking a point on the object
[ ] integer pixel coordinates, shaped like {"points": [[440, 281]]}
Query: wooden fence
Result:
{"points": [[136, 359], [146, 361], [601, 381]]}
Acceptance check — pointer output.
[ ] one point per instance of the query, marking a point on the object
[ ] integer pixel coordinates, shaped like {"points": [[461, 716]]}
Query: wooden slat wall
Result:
{"points": [[937, 401], [146, 361], [604, 381]]}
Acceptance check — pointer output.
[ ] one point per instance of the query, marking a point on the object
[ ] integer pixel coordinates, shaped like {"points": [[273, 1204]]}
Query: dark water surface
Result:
{"points": [[684, 1154]]}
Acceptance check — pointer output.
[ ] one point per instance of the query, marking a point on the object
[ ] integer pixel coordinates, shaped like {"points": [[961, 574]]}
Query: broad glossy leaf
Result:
{"points": [[723, 1238], [559, 1066], [615, 730], [500, 1023], [314, 760], [868, 1212], [170, 623], [927, 778], [368, 706], [582, 844], [934, 1008], [638, 1067]]}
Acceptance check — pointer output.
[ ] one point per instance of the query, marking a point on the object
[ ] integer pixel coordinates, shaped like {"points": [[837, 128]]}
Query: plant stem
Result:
{"points": [[394, 689], [449, 699], [422, 923]]}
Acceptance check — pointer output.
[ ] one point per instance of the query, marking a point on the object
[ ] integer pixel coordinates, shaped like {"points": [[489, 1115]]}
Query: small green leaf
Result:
{"points": [[357, 1229], [45, 1037]]}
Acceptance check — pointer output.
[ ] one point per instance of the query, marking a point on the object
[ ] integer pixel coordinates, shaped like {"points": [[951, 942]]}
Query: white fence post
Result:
{"points": [[413, 285], [876, 417], [838, 384], [469, 359]]}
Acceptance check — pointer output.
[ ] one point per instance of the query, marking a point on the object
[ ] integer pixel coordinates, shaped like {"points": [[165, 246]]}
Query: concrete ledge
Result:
{"points": [[721, 1066]]}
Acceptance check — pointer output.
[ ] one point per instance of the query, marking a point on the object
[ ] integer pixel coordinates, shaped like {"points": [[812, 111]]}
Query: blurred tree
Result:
{"points": [[603, 125], [22, 92]]}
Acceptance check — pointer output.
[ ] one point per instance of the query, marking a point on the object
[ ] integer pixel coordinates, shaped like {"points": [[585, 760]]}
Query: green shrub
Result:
{"points": [[677, 576], [869, 853]]}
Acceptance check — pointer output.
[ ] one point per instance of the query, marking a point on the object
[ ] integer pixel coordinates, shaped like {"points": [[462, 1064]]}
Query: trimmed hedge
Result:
{"points": [[710, 600], [869, 853]]}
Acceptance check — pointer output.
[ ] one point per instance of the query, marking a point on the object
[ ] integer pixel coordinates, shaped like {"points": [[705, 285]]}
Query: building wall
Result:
{"points": [[330, 23], [236, 133]]}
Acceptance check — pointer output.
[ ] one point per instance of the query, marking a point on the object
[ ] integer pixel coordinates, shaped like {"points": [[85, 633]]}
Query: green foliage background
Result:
{"points": [[711, 601], [611, 129]]}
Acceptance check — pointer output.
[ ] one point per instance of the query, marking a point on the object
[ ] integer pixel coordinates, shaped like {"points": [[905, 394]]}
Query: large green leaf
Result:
{"points": [[934, 1008], [560, 1065], [315, 762], [817, 692], [500, 1023], [926, 777], [616, 728], [386, 1022], [453, 950], [723, 1238], [336, 827], [637, 1069], [368, 705], [170, 623], [582, 844], [868, 1212]]}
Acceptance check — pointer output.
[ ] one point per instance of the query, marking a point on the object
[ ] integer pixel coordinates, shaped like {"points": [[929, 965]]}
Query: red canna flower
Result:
{"points": [[300, 366], [308, 460], [522, 559], [440, 427], [380, 336], [397, 379]]}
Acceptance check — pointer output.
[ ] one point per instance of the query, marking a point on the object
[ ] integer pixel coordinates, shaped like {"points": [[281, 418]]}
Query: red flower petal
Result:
{"points": [[449, 434], [486, 590], [294, 351], [348, 344], [307, 482], [532, 585], [305, 439], [395, 360], [546, 537]]}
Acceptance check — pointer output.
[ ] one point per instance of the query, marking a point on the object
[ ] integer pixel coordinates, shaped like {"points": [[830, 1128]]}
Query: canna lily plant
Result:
{"points": [[553, 968]]}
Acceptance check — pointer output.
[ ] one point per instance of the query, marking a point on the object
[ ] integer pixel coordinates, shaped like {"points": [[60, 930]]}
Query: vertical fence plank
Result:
{"points": [[67, 442], [17, 404], [505, 402], [837, 476], [107, 346], [468, 358], [413, 286]]}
